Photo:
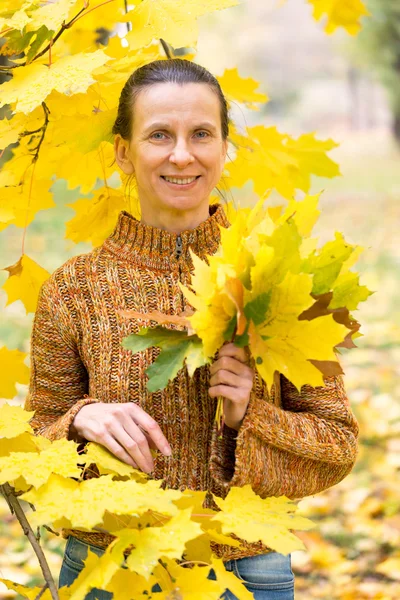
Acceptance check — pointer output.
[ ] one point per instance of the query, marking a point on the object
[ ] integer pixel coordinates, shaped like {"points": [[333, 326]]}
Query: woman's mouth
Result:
{"points": [[180, 182]]}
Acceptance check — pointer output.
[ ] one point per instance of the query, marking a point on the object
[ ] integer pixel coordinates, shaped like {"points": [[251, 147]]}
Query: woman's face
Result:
{"points": [[176, 134]]}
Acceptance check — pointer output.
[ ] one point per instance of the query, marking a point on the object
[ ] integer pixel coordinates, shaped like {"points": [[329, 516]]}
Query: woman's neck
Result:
{"points": [[174, 220]]}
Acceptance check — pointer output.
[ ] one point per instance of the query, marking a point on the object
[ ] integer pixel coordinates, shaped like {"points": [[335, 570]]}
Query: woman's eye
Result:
{"points": [[157, 133]]}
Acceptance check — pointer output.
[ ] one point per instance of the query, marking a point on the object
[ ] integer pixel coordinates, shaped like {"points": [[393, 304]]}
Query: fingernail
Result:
{"points": [[167, 451]]}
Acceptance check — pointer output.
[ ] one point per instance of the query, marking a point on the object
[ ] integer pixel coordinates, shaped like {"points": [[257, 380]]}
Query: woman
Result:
{"points": [[171, 136]]}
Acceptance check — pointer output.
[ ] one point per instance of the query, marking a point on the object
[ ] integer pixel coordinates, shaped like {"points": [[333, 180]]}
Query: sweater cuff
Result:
{"points": [[234, 457], [60, 428]]}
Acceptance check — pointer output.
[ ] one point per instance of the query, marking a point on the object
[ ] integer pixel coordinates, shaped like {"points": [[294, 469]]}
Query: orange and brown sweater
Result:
{"points": [[290, 443]]}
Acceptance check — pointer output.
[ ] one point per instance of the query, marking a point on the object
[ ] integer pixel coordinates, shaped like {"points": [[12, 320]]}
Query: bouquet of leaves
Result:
{"points": [[268, 288]]}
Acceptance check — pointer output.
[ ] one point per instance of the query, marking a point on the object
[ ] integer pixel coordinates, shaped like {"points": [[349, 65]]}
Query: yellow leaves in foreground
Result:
{"points": [[269, 520], [153, 528], [66, 502], [14, 421], [153, 543], [60, 457], [31, 84], [24, 282]]}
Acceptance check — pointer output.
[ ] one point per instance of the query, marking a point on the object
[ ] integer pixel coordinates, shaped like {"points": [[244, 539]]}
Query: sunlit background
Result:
{"points": [[341, 88]]}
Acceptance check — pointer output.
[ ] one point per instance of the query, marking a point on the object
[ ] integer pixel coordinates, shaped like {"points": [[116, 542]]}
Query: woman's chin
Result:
{"points": [[183, 203]]}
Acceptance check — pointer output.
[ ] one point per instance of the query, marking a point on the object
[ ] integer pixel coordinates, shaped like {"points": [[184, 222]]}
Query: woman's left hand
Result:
{"points": [[232, 378]]}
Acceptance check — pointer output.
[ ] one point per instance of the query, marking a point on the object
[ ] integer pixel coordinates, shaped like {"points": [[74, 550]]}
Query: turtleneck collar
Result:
{"points": [[156, 248]]}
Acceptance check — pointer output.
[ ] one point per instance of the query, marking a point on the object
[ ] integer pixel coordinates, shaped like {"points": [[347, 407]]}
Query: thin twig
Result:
{"points": [[17, 509], [166, 48], [42, 591]]}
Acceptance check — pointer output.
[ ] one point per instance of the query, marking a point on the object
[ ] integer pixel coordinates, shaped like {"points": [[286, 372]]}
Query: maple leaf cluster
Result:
{"points": [[153, 527], [269, 288]]}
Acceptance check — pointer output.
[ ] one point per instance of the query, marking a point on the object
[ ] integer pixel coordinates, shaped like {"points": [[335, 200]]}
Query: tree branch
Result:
{"points": [[17, 509]]}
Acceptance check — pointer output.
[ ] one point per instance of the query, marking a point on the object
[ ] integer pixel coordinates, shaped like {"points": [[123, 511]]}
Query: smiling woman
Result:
{"points": [[171, 135]]}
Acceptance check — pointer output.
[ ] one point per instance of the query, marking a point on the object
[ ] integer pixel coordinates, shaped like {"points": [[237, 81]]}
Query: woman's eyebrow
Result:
{"points": [[162, 125]]}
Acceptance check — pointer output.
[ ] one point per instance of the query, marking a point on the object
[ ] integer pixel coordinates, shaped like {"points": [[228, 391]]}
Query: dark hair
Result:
{"points": [[173, 70]]}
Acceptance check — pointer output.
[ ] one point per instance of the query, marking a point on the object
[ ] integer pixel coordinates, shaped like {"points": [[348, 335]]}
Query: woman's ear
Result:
{"points": [[122, 156]]}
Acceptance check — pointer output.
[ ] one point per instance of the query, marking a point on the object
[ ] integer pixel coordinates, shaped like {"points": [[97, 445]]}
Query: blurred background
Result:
{"points": [[343, 88]]}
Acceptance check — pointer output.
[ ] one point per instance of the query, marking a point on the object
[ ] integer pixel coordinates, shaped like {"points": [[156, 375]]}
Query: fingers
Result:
{"points": [[152, 429], [113, 446], [136, 444], [225, 376], [125, 429], [233, 365], [229, 349], [231, 378]]}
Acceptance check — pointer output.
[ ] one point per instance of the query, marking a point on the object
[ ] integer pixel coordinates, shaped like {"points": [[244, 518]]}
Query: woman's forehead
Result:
{"points": [[169, 101]]}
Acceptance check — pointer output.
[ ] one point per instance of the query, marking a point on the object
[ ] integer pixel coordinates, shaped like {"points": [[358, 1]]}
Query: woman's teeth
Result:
{"points": [[179, 181]]}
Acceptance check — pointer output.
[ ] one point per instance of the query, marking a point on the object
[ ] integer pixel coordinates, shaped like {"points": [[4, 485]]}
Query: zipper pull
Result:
{"points": [[178, 247]]}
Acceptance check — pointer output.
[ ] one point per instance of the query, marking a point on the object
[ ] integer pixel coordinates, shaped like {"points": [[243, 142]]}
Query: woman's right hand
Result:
{"points": [[124, 429]]}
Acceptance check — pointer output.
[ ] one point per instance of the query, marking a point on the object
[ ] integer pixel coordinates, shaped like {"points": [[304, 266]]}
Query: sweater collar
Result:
{"points": [[156, 248]]}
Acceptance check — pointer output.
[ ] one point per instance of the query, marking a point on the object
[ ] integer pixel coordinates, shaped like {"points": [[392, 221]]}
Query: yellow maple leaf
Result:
{"points": [[96, 217], [32, 83], [304, 213], [13, 370], [290, 349], [16, 20], [26, 591], [124, 580], [14, 421], [275, 160], [51, 15], [191, 584], [230, 580], [11, 129], [268, 520], [60, 457], [67, 503], [153, 543], [175, 22], [24, 442], [24, 282], [97, 572], [26, 199], [241, 89], [84, 132], [340, 14], [80, 169], [105, 460]]}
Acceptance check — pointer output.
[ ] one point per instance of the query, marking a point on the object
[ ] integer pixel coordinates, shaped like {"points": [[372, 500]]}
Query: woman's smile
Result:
{"points": [[184, 183]]}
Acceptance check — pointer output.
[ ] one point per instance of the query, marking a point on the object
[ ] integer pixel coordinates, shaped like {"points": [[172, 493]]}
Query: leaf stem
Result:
{"points": [[219, 415]]}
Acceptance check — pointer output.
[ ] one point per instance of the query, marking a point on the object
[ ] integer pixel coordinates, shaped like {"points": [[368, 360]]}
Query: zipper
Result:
{"points": [[178, 247]]}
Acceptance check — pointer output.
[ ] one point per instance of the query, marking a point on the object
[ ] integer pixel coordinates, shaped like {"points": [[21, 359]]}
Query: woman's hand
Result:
{"points": [[125, 429], [233, 379]]}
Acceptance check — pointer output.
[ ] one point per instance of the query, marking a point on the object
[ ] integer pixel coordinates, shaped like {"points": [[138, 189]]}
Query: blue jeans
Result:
{"points": [[267, 576]]}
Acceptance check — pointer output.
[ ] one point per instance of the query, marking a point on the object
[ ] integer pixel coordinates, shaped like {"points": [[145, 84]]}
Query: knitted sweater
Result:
{"points": [[290, 443]]}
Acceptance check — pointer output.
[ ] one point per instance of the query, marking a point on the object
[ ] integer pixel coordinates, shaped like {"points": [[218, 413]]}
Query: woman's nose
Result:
{"points": [[181, 154]]}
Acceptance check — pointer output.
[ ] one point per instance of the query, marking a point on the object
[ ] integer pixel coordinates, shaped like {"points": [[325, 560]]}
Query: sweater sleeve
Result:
{"points": [[58, 379], [303, 447]]}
